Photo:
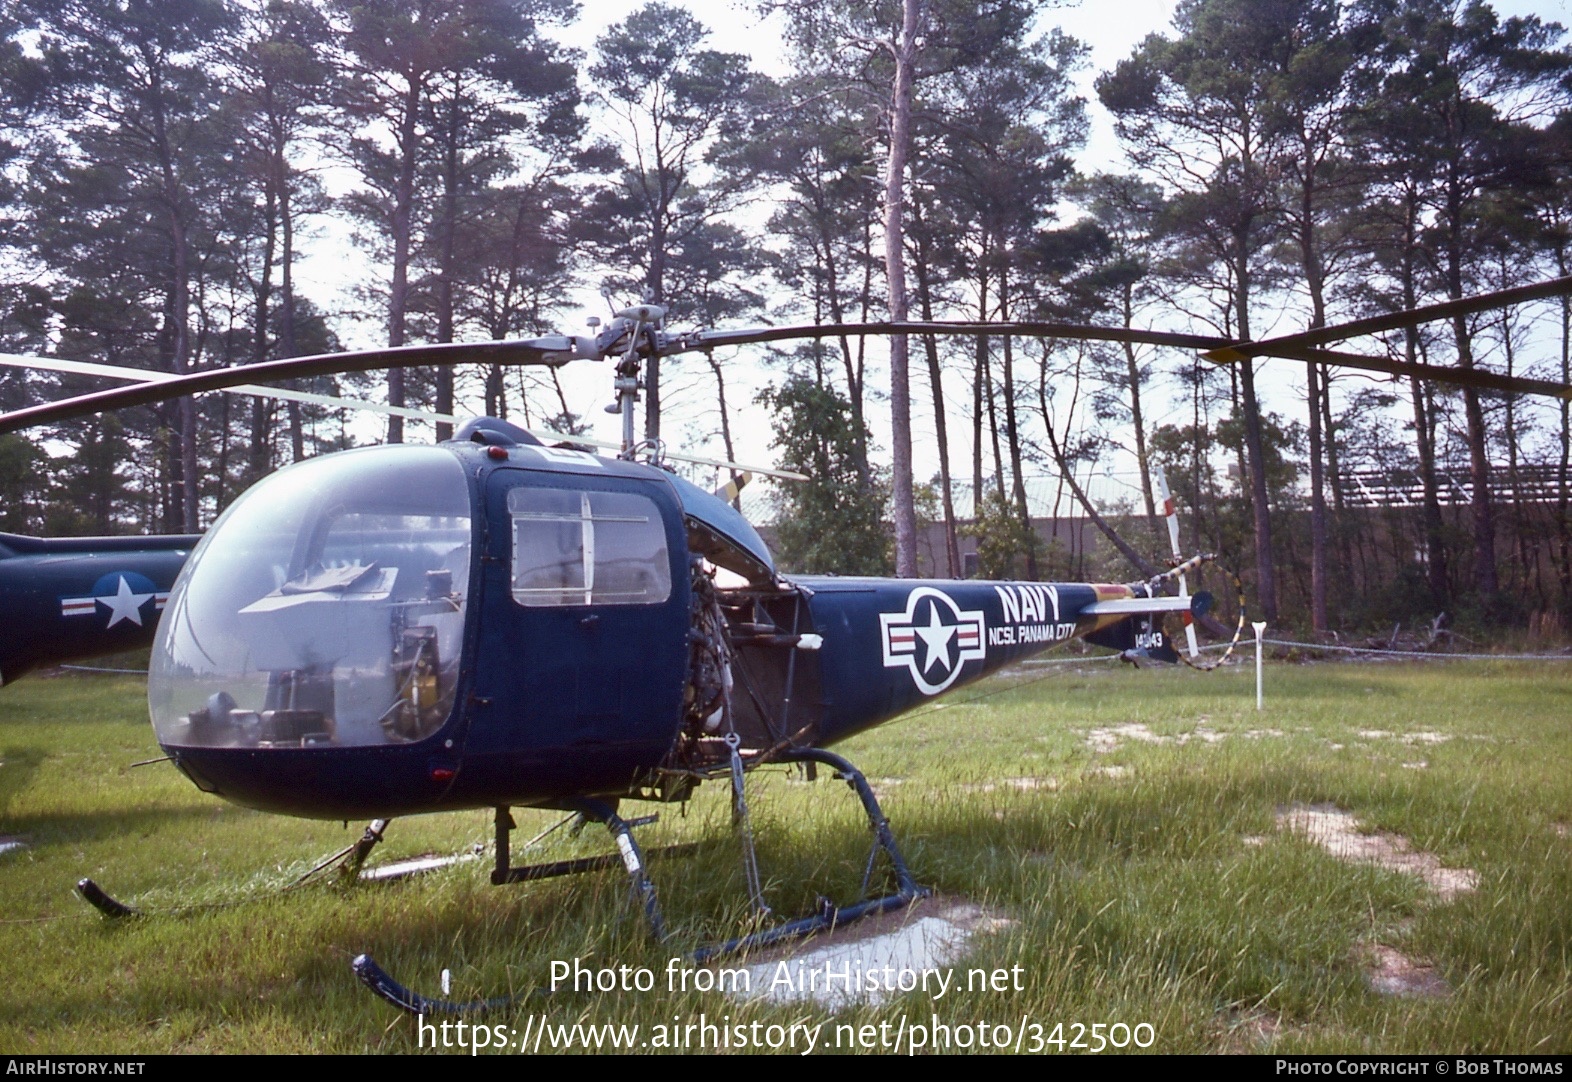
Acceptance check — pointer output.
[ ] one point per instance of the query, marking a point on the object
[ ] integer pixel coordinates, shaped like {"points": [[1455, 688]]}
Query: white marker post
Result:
{"points": [[1260, 626]]}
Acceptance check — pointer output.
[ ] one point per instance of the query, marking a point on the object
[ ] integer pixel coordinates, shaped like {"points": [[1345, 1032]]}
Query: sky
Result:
{"points": [[690, 419]]}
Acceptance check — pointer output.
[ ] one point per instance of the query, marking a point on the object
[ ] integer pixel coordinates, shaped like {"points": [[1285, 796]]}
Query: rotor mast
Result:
{"points": [[638, 322]]}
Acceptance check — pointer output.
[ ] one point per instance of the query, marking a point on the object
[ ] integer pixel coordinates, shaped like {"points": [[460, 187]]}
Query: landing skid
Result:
{"points": [[633, 860], [829, 915], [94, 896], [629, 855], [351, 866], [404, 869]]}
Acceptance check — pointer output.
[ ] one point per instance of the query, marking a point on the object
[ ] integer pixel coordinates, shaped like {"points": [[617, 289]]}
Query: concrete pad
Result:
{"points": [[872, 961]]}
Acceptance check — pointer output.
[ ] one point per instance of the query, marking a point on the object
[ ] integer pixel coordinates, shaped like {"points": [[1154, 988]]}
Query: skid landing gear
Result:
{"points": [[351, 867], [829, 916], [629, 855], [94, 896]]}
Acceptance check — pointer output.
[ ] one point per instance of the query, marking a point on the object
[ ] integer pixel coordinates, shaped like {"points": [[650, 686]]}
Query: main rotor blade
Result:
{"points": [[703, 340], [552, 350], [544, 434], [1466, 377], [144, 375], [1538, 291], [741, 467]]}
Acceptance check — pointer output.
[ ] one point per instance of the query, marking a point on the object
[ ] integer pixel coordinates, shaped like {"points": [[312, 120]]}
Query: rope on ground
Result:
{"points": [[1195, 563], [1413, 655], [1035, 661]]}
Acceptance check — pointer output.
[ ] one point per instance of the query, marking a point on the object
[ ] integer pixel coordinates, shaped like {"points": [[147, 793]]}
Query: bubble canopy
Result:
{"points": [[325, 608]]}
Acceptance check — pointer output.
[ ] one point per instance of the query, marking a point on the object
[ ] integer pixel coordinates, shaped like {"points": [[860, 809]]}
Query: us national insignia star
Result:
{"points": [[948, 638]]}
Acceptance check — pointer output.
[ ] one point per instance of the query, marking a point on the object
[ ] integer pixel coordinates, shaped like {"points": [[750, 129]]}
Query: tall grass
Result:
{"points": [[1157, 891]]}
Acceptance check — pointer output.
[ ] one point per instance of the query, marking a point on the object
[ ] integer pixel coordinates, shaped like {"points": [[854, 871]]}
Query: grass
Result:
{"points": [[1158, 892]]}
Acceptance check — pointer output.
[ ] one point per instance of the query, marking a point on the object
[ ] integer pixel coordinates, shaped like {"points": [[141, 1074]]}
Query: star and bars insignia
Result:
{"points": [[933, 638], [124, 594]]}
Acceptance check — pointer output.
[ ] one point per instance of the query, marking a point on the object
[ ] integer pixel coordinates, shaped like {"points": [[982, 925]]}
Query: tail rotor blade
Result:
{"points": [[733, 488], [1171, 513]]}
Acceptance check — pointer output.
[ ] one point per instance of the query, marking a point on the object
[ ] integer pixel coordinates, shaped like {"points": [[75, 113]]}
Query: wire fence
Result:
{"points": [[92, 668], [1338, 648], [1412, 655]]}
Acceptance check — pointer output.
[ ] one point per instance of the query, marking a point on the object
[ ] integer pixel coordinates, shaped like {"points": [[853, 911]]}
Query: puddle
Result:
{"points": [[1337, 832], [1392, 973], [875, 959]]}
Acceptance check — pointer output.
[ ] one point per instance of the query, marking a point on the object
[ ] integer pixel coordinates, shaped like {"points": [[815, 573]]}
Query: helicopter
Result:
{"points": [[499, 621]]}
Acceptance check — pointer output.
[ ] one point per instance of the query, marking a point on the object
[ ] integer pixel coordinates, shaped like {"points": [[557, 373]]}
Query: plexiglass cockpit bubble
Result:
{"points": [[324, 608]]}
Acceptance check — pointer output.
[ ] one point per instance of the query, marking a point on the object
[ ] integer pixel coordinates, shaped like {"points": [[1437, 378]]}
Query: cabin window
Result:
{"points": [[587, 548], [325, 608]]}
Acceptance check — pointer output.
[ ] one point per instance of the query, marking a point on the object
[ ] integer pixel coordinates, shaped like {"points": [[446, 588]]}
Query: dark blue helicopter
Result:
{"points": [[492, 622]]}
